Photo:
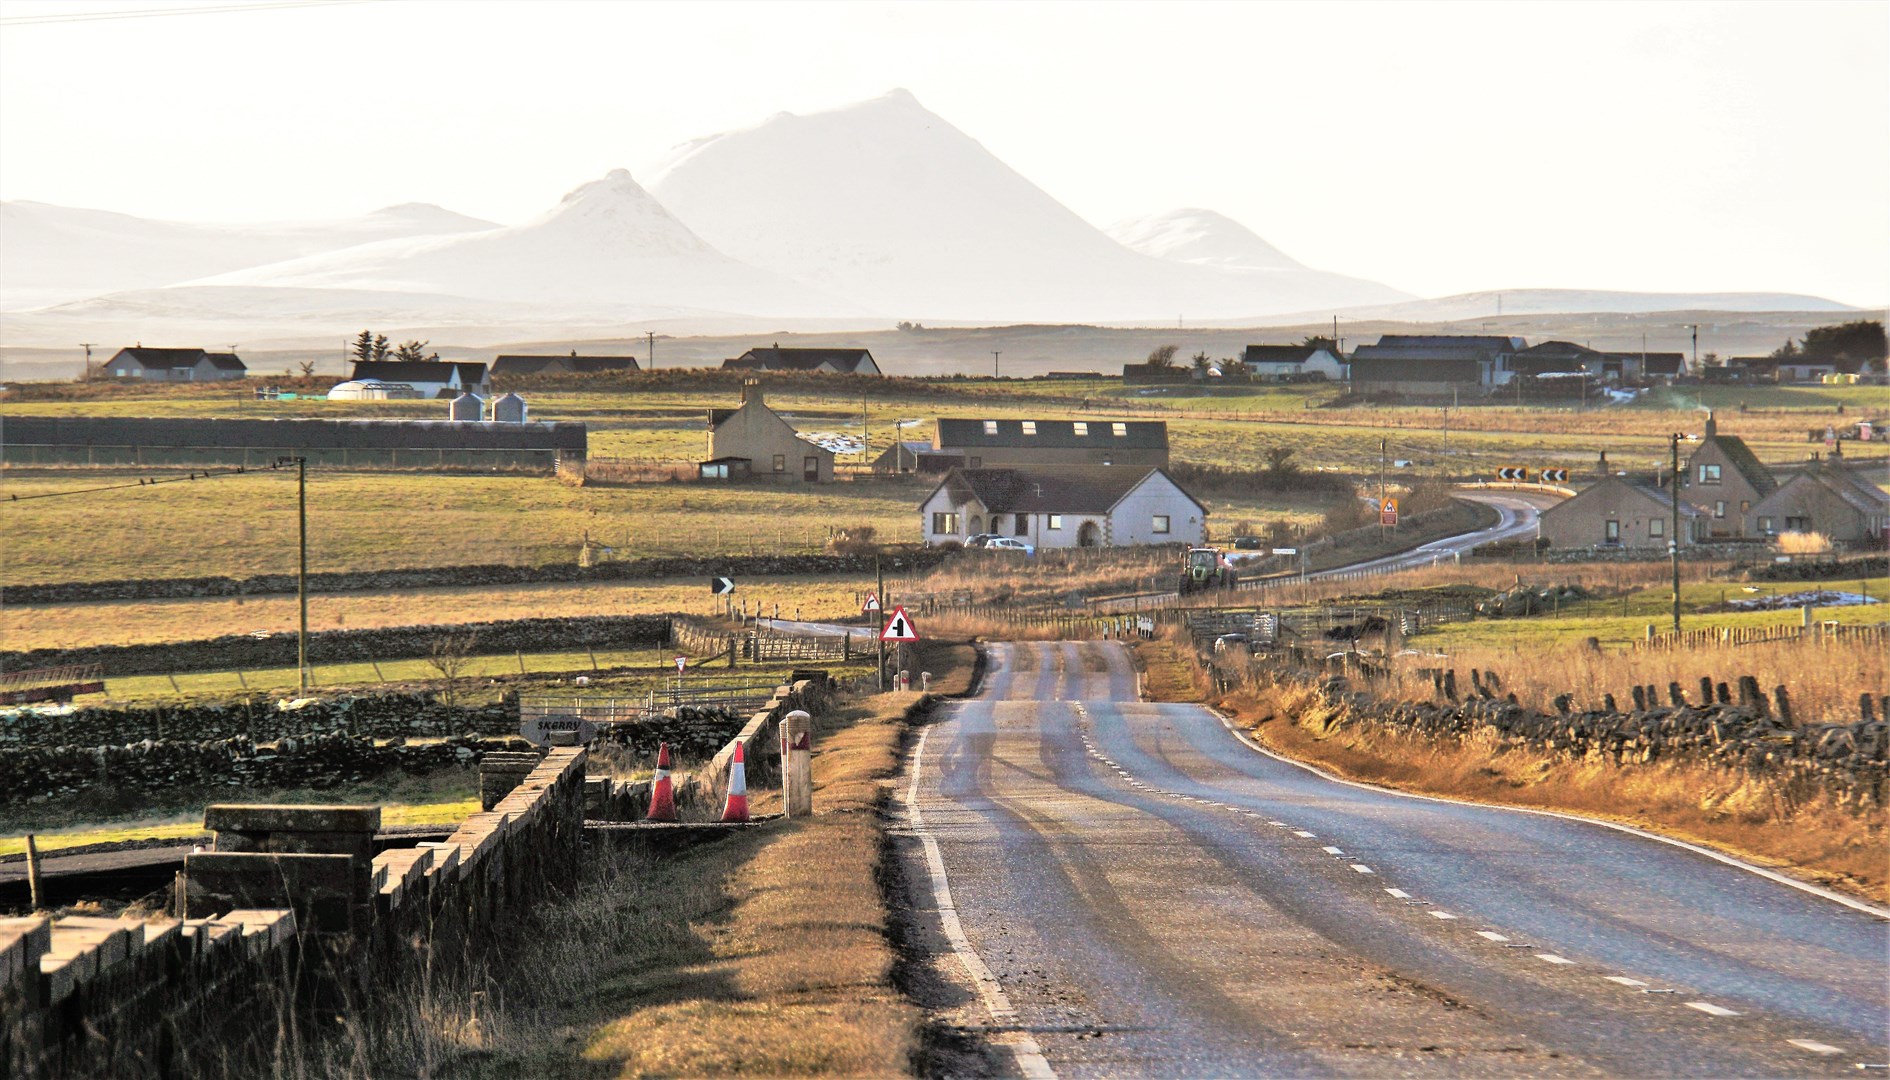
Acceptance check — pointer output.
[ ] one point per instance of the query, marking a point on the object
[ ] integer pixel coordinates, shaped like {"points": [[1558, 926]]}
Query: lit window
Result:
{"points": [[1719, 508], [1709, 474], [1119, 430], [1030, 427], [1765, 525], [1161, 524], [1081, 428], [944, 523], [1056, 521], [990, 427]]}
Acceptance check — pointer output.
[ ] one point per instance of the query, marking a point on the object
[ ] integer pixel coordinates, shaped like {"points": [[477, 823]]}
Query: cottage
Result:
{"points": [[756, 435], [431, 378], [1060, 507], [1433, 365], [1724, 478], [999, 443], [174, 365], [1826, 498], [828, 361], [1618, 512], [1293, 363], [518, 364]]}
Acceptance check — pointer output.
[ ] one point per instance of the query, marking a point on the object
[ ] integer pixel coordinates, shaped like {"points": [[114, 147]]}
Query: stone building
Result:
{"points": [[1724, 478], [1617, 512], [768, 445], [1063, 506]]}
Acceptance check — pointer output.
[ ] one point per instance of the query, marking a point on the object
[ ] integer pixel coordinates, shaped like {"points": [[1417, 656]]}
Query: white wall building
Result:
{"points": [[1064, 506]]}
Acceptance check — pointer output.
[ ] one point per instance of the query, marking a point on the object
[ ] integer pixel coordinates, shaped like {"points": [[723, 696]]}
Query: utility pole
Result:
{"points": [[880, 572], [87, 346], [301, 577], [994, 362], [651, 335], [1383, 455], [1695, 327], [1673, 541]]}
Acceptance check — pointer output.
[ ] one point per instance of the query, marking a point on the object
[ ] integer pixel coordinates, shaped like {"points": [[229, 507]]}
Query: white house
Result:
{"points": [[174, 365], [432, 378], [1282, 363], [1064, 506]]}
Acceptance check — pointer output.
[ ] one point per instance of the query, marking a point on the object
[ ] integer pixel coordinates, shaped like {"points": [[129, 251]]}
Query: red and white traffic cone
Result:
{"points": [[736, 809], [662, 789]]}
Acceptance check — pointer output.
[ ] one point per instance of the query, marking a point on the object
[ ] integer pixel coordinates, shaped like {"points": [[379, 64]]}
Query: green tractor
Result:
{"points": [[1206, 568]]}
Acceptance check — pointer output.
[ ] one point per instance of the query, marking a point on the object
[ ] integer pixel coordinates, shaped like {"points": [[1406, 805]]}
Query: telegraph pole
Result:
{"points": [[1673, 541], [880, 572], [1383, 454], [651, 335], [1695, 327], [994, 362], [87, 346], [301, 577]]}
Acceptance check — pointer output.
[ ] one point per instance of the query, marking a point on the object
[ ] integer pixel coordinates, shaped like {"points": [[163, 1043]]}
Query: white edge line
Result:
{"points": [[1030, 1059], [1719, 856]]}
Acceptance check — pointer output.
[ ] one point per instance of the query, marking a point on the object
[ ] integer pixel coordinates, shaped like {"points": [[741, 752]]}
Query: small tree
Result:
{"points": [[1280, 460], [380, 346], [411, 351], [451, 655], [308, 369], [1202, 365], [1163, 356], [363, 347]]}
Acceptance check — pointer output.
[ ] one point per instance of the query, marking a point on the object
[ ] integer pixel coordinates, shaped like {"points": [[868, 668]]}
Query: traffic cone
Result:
{"points": [[736, 809], [662, 790]]}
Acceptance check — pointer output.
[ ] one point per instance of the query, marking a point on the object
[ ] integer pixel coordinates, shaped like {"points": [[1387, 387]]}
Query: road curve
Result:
{"points": [[1155, 898], [1517, 517]]}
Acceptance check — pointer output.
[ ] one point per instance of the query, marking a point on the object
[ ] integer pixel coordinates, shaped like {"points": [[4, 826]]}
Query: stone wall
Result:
{"points": [[242, 652], [383, 716], [423, 577]]}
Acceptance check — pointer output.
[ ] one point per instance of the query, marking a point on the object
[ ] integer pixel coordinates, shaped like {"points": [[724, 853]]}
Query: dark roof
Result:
{"points": [[1382, 351], [956, 432], [162, 358], [1070, 489], [1492, 342], [1278, 354], [716, 416], [180, 432], [522, 364], [1558, 349], [1741, 457], [779, 359], [1641, 487], [419, 371], [1663, 363], [225, 361]]}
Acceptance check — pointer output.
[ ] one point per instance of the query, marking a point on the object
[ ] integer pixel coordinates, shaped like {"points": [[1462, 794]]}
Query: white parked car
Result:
{"points": [[1009, 543]]}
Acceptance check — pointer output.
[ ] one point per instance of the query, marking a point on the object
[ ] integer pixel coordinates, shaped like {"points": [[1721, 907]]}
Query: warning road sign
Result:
{"points": [[899, 627], [1554, 476], [721, 586], [1512, 472], [1388, 515], [871, 605]]}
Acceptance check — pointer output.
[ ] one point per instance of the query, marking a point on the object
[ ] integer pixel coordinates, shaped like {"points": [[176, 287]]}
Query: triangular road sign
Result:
{"points": [[899, 627], [871, 605]]}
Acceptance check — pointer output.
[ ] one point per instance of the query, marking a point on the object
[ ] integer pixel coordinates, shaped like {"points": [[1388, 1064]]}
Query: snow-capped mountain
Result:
{"points": [[887, 203], [1202, 237]]}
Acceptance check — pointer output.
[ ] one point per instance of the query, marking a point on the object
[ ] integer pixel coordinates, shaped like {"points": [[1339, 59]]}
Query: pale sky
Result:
{"points": [[1440, 148]]}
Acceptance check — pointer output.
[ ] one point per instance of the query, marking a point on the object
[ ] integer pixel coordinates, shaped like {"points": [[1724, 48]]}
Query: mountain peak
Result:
{"points": [[1203, 237]]}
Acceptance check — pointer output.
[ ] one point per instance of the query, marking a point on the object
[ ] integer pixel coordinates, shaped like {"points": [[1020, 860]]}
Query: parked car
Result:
{"points": [[983, 540], [1228, 641], [1009, 543], [1247, 543]]}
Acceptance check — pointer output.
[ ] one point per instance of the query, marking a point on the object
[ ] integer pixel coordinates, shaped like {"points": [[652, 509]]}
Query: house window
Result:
{"points": [[1056, 521], [810, 469], [944, 522], [1745, 506], [1119, 430], [1611, 532], [990, 427], [1797, 524], [1081, 427], [1161, 524], [1656, 527], [1765, 525], [1023, 525], [1030, 427], [1719, 508], [976, 463], [1709, 474], [780, 463]]}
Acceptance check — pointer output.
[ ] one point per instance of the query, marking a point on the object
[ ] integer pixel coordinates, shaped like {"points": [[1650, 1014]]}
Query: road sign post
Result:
{"points": [[1388, 513]]}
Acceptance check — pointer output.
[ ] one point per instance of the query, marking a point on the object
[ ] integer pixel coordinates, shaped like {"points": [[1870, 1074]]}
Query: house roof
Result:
{"points": [[1558, 349], [526, 364], [1663, 363], [1492, 342], [1659, 495], [1740, 457], [1069, 489], [958, 431], [225, 361], [1383, 351], [1279, 354], [779, 359], [716, 416], [162, 358], [1860, 494], [408, 371]]}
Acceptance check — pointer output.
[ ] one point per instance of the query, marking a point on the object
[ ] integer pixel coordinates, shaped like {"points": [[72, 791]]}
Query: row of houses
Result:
{"points": [[1725, 493]]}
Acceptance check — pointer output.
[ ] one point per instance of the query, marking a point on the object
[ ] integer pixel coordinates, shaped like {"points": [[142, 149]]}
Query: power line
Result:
{"points": [[159, 13], [143, 482]]}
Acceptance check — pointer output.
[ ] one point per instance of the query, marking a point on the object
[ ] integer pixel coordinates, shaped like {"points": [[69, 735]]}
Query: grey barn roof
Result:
{"points": [[779, 359], [290, 434], [1068, 489], [1278, 354], [954, 432], [527, 364], [408, 371]]}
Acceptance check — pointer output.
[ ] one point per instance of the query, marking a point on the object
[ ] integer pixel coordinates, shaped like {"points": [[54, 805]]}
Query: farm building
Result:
{"points": [[519, 364], [1060, 507], [1284, 363], [372, 390], [829, 361], [174, 365], [349, 444], [1724, 478], [1424, 365], [1617, 512], [1001, 443], [432, 378], [756, 434], [1826, 498], [915, 457]]}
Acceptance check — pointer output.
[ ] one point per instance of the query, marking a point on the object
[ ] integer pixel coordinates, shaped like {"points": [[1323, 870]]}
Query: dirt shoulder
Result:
{"points": [[1810, 839]]}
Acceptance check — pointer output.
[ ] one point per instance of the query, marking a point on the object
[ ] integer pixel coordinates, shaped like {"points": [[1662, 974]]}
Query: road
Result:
{"points": [[1151, 896], [1517, 514]]}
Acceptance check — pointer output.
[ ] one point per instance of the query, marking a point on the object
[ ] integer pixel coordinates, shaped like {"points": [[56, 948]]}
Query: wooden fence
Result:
{"points": [[1733, 636]]}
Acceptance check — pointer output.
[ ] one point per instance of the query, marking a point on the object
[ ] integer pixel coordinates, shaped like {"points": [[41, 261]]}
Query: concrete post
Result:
{"points": [[797, 764]]}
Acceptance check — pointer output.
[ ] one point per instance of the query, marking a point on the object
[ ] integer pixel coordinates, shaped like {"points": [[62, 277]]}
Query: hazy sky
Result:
{"points": [[1436, 147]]}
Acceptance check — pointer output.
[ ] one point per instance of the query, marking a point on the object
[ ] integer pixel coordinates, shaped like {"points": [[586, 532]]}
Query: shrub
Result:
{"points": [[854, 540], [1804, 543]]}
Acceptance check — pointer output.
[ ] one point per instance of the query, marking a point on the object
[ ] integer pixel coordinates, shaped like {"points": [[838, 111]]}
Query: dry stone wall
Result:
{"points": [[384, 716]]}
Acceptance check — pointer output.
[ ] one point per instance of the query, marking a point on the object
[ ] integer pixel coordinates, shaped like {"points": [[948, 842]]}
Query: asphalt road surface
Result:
{"points": [[1102, 886], [1517, 514]]}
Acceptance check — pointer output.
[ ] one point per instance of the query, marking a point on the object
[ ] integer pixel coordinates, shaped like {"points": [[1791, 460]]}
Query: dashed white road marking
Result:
{"points": [[1361, 868], [1814, 1046], [1711, 1009], [1024, 1048], [1399, 893], [1304, 833], [1625, 981], [1553, 959], [1442, 915], [1330, 850], [1492, 935], [1279, 824]]}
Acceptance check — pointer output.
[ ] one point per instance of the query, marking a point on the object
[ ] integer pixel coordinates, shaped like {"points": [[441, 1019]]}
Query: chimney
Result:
{"points": [[1712, 425], [1602, 465], [751, 391]]}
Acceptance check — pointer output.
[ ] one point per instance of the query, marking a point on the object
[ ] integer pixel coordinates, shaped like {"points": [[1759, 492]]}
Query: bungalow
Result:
{"points": [[1063, 506], [1283, 363], [753, 440], [829, 361], [997, 443], [432, 378], [174, 365], [1617, 512], [1725, 478], [1430, 365], [1826, 498], [522, 364]]}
